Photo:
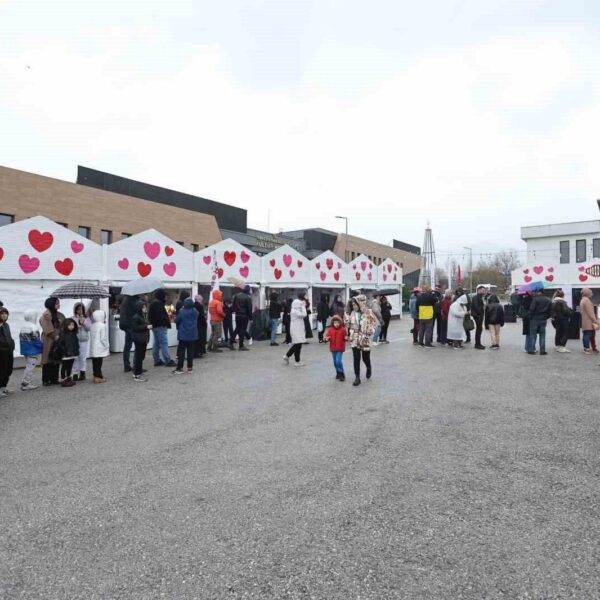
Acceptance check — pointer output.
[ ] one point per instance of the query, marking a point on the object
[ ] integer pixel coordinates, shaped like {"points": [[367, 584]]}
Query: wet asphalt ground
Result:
{"points": [[451, 474]]}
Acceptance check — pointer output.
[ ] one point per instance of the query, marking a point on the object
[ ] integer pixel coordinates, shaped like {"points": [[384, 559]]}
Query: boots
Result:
{"points": [[68, 382], [99, 379], [356, 381], [369, 373], [81, 375]]}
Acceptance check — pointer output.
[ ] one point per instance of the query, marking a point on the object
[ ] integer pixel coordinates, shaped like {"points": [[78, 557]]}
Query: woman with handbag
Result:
{"points": [[361, 323], [51, 322], [456, 322], [140, 333]]}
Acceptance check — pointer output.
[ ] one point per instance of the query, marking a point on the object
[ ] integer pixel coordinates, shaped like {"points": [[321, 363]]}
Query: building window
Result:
{"points": [[596, 248], [84, 231], [124, 236], [564, 253], [6, 219], [105, 236], [195, 247], [580, 250]]}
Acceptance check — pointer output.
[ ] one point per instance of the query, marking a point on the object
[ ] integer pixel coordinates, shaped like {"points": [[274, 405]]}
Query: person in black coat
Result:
{"points": [[478, 314], [337, 307], [7, 347], [287, 308], [140, 331], [202, 325], [228, 321], [307, 327], [322, 316], [494, 320], [242, 307], [274, 316], [68, 343], [386, 314]]}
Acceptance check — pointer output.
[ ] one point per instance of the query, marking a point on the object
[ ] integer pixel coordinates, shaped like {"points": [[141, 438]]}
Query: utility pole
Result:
{"points": [[470, 268], [345, 239]]}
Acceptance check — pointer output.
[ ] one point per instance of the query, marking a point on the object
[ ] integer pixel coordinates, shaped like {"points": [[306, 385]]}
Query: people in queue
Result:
{"points": [[437, 292], [337, 336], [361, 323], [140, 333], [217, 315], [228, 332], [187, 335], [456, 320], [84, 325], [242, 308], [51, 323], [426, 312], [561, 315], [161, 323], [31, 347], [126, 312], [200, 348], [445, 305], [589, 322], [7, 347], [297, 330], [322, 316], [539, 313], [68, 345], [478, 313], [99, 344], [494, 320]]}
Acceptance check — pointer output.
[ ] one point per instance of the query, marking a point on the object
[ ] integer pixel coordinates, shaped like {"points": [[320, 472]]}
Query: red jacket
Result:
{"points": [[446, 302], [337, 339]]}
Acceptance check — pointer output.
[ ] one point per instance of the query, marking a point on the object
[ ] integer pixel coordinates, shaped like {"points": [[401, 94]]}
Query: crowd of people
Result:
{"points": [[65, 343]]}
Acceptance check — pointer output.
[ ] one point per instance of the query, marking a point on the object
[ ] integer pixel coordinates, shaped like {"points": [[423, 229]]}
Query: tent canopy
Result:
{"points": [[328, 269], [285, 265], [231, 260], [362, 272], [389, 273]]}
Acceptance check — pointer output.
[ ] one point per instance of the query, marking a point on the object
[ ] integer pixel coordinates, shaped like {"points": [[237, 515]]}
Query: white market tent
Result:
{"points": [[328, 270], [149, 253], [389, 274], [231, 260], [285, 267], [362, 273], [37, 256]]}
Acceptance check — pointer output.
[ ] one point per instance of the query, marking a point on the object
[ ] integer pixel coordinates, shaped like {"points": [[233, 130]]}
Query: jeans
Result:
{"points": [[66, 368], [97, 366], [338, 362], [241, 328], [478, 330], [426, 331], [366, 356], [587, 338], [138, 358], [30, 362], [216, 332], [274, 326], [161, 345], [295, 350], [562, 332], [127, 349], [81, 361], [377, 333], [536, 326], [182, 348]]}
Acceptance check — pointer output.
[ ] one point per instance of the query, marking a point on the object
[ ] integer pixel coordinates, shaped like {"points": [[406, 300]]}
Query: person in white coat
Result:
{"points": [[297, 330], [456, 319], [99, 347], [83, 335]]}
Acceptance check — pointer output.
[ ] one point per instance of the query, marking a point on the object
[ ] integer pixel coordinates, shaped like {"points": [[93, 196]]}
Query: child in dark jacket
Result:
{"points": [[187, 335], [69, 349], [7, 347], [336, 336]]}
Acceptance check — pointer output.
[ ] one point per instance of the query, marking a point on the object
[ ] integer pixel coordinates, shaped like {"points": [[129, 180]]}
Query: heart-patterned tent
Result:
{"points": [[285, 266], [328, 270], [362, 272], [149, 253], [232, 260], [389, 273]]}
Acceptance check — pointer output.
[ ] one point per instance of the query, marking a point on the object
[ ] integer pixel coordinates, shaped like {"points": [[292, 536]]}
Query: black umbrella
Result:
{"points": [[388, 292], [80, 289]]}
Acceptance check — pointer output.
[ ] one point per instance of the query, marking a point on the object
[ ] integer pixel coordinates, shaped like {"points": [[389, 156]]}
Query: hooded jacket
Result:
{"points": [[337, 336], [297, 316], [99, 346], [187, 322], [29, 336], [560, 308], [157, 313], [242, 304], [215, 307], [7, 344], [83, 329], [51, 322], [139, 325], [456, 316], [68, 341], [126, 312], [361, 324]]}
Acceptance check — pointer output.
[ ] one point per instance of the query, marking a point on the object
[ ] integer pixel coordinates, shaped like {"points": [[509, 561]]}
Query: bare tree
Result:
{"points": [[506, 262]]}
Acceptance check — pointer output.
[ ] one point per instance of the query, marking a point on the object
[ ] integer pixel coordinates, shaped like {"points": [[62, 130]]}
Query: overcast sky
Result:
{"points": [[478, 115]]}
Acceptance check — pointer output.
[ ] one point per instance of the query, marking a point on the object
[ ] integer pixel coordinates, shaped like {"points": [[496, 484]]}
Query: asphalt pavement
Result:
{"points": [[450, 474]]}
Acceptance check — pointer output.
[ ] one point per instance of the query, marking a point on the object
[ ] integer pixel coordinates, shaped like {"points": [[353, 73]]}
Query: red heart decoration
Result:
{"points": [[229, 257], [292, 273], [272, 262], [583, 277], [363, 265], [323, 275], [526, 271], [354, 266], [336, 275], [287, 260], [389, 268], [582, 269], [357, 275], [370, 276], [395, 277], [152, 249], [28, 264], [550, 269], [370, 265], [244, 271], [207, 260], [170, 268], [245, 257], [318, 265], [76, 246], [277, 274], [549, 277], [220, 272], [300, 263], [329, 263], [124, 264], [1, 253], [384, 277], [169, 251], [527, 278], [538, 269], [144, 269], [64, 267], [40, 241]]}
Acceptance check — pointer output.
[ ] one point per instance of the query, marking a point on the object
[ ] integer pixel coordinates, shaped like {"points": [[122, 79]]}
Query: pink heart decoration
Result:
{"points": [[244, 271], [527, 278], [389, 268], [582, 269], [357, 275], [169, 251], [550, 269], [526, 271], [207, 260], [287, 260], [272, 262], [538, 269], [395, 277], [28, 264], [317, 265], [245, 257], [292, 273], [583, 277], [354, 266], [170, 268], [329, 263], [339, 265], [152, 249], [370, 265], [76, 246], [384, 277], [1, 253], [363, 265], [220, 272], [323, 275], [336, 275], [300, 263], [549, 277], [370, 276], [123, 264]]}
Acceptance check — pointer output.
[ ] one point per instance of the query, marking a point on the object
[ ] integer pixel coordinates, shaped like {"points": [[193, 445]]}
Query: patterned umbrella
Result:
{"points": [[80, 289]]}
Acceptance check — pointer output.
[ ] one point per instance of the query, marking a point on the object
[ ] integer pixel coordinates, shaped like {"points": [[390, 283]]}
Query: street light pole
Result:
{"points": [[345, 239], [470, 268]]}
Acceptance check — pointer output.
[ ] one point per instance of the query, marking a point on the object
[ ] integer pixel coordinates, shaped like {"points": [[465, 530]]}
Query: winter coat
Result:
{"points": [[215, 307], [337, 308], [157, 313], [540, 308], [494, 314], [99, 347], [274, 307], [361, 327], [29, 337], [187, 322], [139, 326], [588, 318], [337, 338], [297, 316], [50, 333], [201, 320], [445, 308], [322, 311], [7, 344], [478, 307], [83, 329], [426, 306], [183, 296], [242, 305], [126, 312], [373, 304], [412, 307], [68, 343], [386, 310], [560, 309], [456, 315]]}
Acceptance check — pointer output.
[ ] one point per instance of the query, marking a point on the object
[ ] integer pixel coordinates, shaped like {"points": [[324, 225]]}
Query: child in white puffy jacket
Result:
{"points": [[31, 347], [99, 347]]}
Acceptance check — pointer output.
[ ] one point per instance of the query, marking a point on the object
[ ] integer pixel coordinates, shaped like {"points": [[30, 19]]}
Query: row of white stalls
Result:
{"points": [[37, 256]]}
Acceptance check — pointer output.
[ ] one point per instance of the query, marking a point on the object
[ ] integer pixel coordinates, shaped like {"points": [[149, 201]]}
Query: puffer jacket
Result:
{"points": [[7, 344], [187, 322], [215, 307], [99, 346], [68, 341], [494, 314], [30, 341]]}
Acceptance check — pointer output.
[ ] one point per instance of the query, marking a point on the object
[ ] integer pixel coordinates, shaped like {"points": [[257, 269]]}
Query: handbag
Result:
{"points": [[320, 326], [468, 323]]}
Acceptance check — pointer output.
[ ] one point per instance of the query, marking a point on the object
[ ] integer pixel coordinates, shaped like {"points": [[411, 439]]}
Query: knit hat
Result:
{"points": [[198, 298]]}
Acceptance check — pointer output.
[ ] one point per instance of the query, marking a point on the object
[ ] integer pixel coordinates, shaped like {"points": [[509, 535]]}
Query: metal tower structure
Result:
{"points": [[428, 262]]}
